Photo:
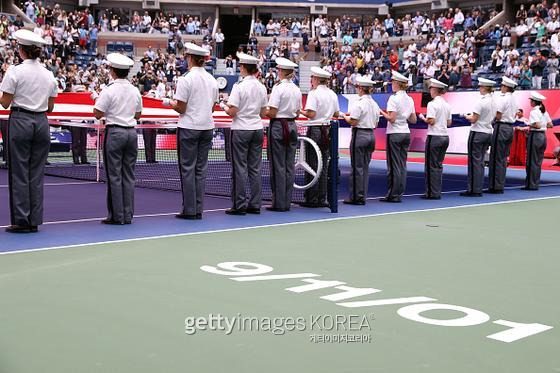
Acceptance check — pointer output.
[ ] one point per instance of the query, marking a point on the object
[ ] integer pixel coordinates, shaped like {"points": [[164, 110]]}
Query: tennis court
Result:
{"points": [[432, 286]]}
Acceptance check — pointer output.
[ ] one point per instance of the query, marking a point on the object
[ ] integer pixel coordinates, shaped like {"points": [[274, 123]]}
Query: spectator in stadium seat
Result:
{"points": [[537, 67], [526, 77], [258, 28], [389, 25], [294, 50], [552, 67], [458, 20], [219, 39]]}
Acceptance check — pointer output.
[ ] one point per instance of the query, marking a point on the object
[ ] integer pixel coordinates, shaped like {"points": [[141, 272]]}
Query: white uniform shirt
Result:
{"points": [[508, 107], [440, 111], [31, 84], [324, 102], [249, 96], [536, 116], [286, 97], [120, 101], [486, 110], [366, 111], [403, 105], [199, 90]]}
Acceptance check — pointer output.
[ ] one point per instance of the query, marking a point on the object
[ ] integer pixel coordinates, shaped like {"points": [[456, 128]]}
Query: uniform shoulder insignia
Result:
{"points": [[110, 84]]}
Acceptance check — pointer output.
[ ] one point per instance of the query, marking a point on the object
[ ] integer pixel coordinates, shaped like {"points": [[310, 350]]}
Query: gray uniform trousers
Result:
{"points": [[436, 146], [79, 144], [29, 142], [318, 193], [246, 160], [477, 147], [193, 147], [149, 136], [536, 145], [4, 131], [282, 143], [397, 152], [362, 145], [120, 151], [499, 153]]}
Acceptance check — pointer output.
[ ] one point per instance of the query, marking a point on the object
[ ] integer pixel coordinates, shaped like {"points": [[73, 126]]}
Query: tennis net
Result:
{"points": [[157, 165]]}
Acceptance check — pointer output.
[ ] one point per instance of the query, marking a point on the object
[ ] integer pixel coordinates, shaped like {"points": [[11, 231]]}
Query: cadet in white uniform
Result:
{"points": [[363, 117], [502, 137], [246, 104], [284, 105], [320, 108], [480, 137], [539, 121], [400, 111], [194, 100], [121, 105], [30, 89], [438, 117]]}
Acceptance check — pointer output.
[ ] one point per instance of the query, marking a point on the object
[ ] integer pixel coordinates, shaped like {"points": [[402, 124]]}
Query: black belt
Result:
{"points": [[509, 123], [22, 110], [118, 126], [363, 129]]}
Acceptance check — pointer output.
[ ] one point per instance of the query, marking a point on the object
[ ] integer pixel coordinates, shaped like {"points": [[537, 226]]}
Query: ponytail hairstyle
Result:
{"points": [[543, 109]]}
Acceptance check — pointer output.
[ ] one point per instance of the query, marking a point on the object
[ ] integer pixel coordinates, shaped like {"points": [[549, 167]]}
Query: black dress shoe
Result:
{"points": [[470, 194], [390, 200], [235, 211], [33, 229], [494, 191], [527, 188], [276, 209], [86, 162], [20, 229], [430, 197], [188, 217], [111, 222], [358, 202], [255, 211]]}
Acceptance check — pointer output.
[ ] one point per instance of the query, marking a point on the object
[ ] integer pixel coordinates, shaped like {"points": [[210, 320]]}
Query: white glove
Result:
{"points": [[94, 96], [224, 106], [421, 116], [166, 102]]}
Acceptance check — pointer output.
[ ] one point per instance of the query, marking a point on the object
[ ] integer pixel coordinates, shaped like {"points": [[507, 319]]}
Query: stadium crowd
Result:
{"points": [[449, 46]]}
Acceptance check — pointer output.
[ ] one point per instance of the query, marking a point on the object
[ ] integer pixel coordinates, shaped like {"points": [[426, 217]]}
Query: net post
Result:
{"points": [[97, 148], [333, 168]]}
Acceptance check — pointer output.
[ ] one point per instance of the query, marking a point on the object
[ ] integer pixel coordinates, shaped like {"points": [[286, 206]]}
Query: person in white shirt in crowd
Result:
{"points": [[120, 103], [400, 111], [320, 108], [294, 49], [552, 67], [458, 20], [219, 39], [29, 89], [480, 137], [502, 136], [438, 117], [194, 99], [246, 105], [284, 106], [363, 117], [539, 121]]}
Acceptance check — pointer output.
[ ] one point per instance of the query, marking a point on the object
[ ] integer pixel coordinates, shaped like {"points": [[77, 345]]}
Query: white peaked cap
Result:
{"points": [[284, 63], [486, 82], [437, 84], [247, 59], [509, 82], [320, 73], [196, 50], [26, 37], [364, 82], [119, 61], [395, 75], [537, 96]]}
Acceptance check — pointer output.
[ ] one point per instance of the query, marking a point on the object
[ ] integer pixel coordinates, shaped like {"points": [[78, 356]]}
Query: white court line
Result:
{"points": [[63, 184], [85, 220], [340, 218]]}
